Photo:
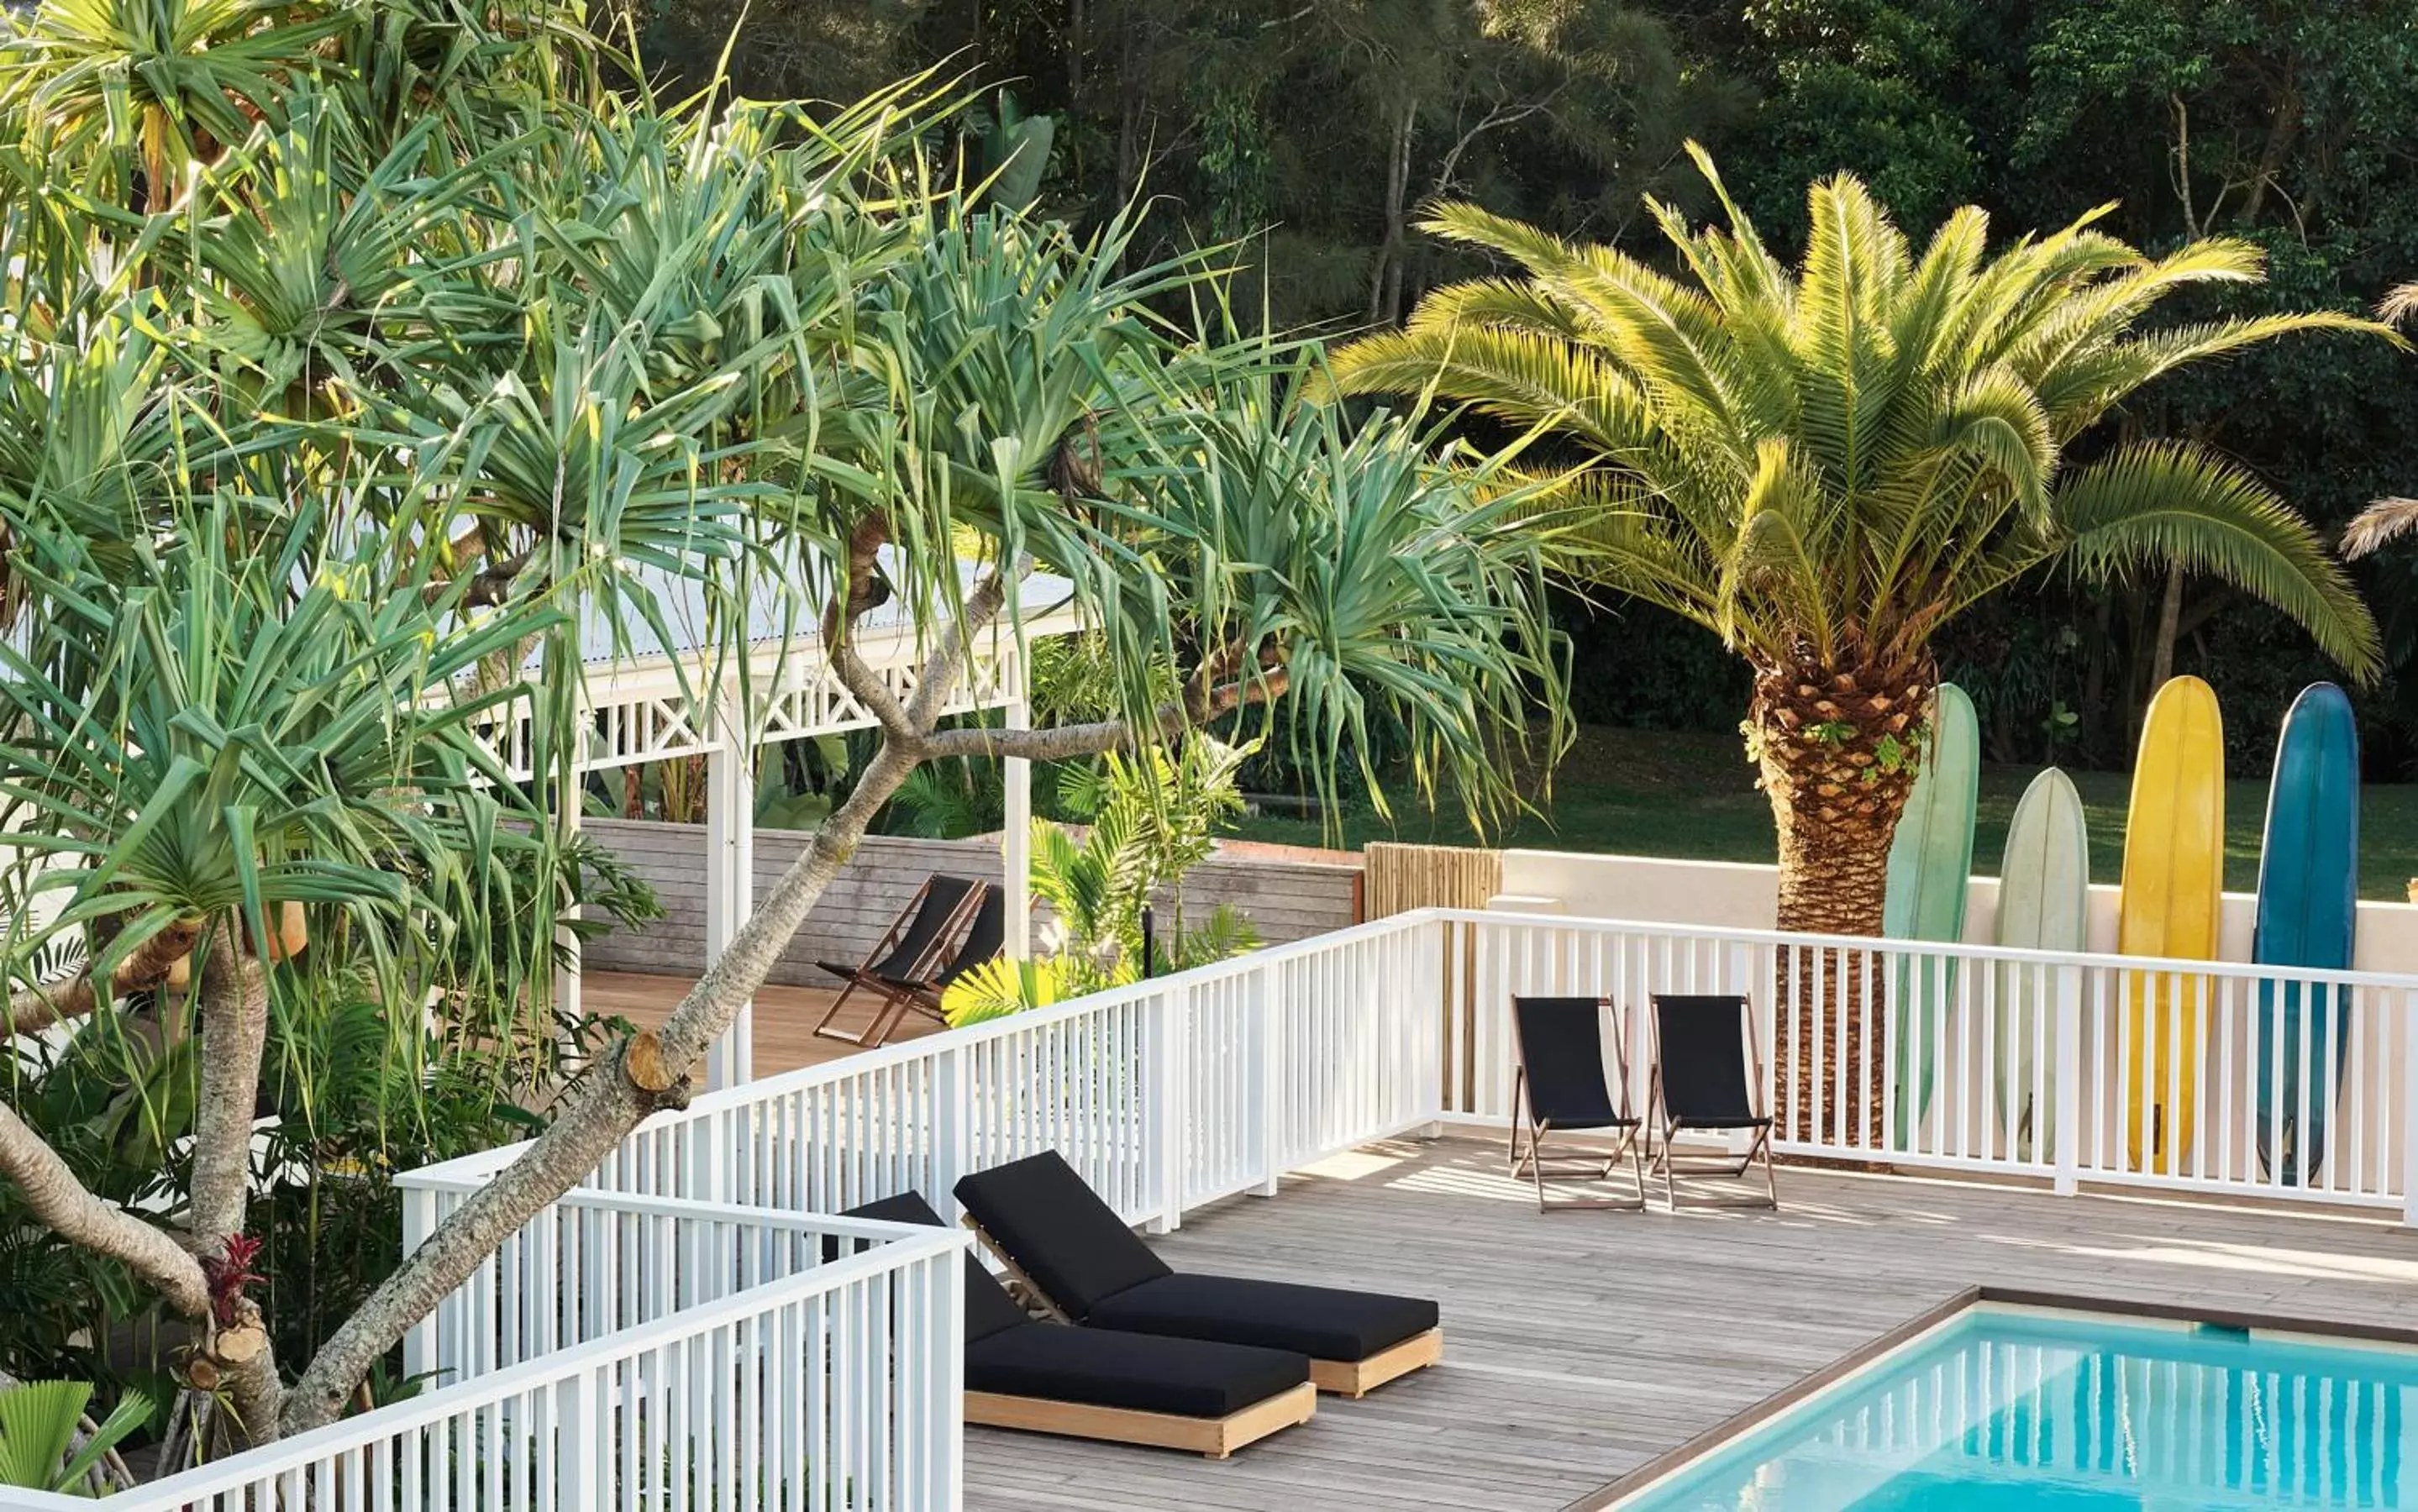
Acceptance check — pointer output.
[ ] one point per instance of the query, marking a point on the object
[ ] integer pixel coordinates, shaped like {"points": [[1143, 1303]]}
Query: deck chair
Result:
{"points": [[1080, 1260], [1124, 1388], [1705, 1082], [985, 938], [1559, 1088], [910, 950]]}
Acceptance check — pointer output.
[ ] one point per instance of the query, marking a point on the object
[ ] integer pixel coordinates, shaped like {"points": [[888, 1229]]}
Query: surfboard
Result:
{"points": [[2174, 868], [2308, 909], [1930, 864], [2043, 904]]}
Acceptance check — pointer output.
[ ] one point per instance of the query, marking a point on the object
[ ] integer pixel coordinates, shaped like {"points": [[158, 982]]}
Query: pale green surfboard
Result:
{"points": [[2043, 904], [1930, 864]]}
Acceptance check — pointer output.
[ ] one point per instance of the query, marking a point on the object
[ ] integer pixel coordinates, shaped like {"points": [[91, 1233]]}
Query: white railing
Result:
{"points": [[823, 1387], [1165, 1094], [2075, 1067], [683, 1333]]}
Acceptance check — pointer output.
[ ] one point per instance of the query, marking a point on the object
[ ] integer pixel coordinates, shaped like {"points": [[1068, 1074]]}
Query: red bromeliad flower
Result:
{"points": [[229, 1273]]}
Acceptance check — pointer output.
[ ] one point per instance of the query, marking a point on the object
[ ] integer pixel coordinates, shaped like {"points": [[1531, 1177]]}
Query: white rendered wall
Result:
{"points": [[1738, 896]]}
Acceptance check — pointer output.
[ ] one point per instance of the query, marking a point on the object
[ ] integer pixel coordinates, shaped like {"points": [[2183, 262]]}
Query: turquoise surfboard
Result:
{"points": [[2043, 904], [2308, 909], [1930, 864]]}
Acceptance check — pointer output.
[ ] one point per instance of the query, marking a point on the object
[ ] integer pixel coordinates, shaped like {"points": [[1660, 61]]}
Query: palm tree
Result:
{"points": [[1826, 464]]}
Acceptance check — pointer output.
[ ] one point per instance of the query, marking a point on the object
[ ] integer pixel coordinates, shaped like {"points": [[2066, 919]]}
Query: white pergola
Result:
{"points": [[649, 701]]}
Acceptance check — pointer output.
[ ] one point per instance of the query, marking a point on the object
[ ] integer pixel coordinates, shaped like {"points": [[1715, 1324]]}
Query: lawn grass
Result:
{"points": [[1656, 793]]}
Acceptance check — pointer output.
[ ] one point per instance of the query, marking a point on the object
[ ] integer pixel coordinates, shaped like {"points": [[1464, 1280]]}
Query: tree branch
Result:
{"points": [[73, 1213], [1064, 741], [633, 1080], [32, 1009], [233, 993]]}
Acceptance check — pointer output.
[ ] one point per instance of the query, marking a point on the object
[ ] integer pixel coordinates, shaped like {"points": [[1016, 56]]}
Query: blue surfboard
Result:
{"points": [[2308, 903]]}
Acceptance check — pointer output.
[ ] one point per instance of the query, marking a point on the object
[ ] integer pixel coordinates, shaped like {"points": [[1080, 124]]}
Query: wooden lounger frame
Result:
{"points": [[1351, 1379], [1215, 1437], [1355, 1378]]}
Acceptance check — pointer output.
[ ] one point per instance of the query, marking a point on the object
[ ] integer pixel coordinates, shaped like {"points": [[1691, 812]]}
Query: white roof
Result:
{"points": [[1043, 599]]}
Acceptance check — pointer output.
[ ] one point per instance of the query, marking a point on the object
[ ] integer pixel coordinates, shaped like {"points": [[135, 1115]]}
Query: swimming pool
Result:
{"points": [[2002, 1407]]}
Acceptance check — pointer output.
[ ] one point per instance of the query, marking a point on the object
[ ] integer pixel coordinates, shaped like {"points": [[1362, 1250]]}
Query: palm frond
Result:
{"points": [[2170, 502]]}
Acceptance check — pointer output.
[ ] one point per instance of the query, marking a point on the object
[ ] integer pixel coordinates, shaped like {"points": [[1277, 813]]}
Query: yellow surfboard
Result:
{"points": [[2174, 874]]}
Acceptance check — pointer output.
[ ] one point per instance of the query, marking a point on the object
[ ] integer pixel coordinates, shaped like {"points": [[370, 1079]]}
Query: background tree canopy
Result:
{"points": [[1325, 124]]}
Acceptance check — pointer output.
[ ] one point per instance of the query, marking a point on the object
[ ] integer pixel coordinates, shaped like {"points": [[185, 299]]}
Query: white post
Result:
{"points": [[1268, 1089], [1167, 1013], [420, 1340], [2409, 1109], [566, 975], [579, 1467], [730, 874], [1016, 845], [2069, 1080]]}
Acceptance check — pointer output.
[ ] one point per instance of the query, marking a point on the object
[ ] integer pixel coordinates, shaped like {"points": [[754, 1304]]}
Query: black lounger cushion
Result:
{"points": [[1058, 1231], [1010, 1354], [1322, 1323], [989, 1309], [1187, 1377]]}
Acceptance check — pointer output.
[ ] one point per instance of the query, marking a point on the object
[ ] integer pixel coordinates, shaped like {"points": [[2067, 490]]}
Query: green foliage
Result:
{"points": [[1826, 464], [1151, 818], [39, 1422], [999, 986]]}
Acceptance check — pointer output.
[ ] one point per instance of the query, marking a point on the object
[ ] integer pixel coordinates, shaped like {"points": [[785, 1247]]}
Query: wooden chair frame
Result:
{"points": [[1758, 1151], [1541, 1160], [897, 1000], [1350, 1378]]}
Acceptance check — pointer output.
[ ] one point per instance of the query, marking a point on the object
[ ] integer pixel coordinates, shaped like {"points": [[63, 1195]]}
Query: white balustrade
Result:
{"points": [[2183, 1076], [821, 1387], [683, 1333]]}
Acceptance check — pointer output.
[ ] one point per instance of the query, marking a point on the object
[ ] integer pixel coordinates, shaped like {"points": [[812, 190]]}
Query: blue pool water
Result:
{"points": [[2005, 1410]]}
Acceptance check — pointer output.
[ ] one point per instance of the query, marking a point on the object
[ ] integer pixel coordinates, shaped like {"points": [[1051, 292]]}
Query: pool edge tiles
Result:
{"points": [[1781, 1427]]}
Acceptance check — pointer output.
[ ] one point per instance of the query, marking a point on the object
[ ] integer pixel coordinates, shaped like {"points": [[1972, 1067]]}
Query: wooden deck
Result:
{"points": [[785, 1017], [1579, 1345]]}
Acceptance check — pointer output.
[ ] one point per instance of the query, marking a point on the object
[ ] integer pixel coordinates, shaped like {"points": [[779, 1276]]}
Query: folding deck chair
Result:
{"points": [[1705, 1080], [1560, 1087], [1126, 1388], [910, 950], [985, 938], [1078, 1258]]}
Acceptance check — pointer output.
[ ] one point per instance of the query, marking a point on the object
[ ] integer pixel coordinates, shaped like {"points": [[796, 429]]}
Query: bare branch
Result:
{"points": [[947, 663], [73, 1213]]}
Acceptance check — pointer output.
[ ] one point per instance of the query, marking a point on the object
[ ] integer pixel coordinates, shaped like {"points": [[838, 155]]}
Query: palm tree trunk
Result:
{"points": [[1837, 748], [2170, 618]]}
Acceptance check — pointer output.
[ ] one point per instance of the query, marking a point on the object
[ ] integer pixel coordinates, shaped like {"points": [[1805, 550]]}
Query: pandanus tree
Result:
{"points": [[1825, 465], [437, 348]]}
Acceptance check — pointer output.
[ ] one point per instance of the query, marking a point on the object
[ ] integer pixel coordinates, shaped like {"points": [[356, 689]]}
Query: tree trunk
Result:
{"points": [[2170, 618], [233, 995], [1838, 748], [1386, 278]]}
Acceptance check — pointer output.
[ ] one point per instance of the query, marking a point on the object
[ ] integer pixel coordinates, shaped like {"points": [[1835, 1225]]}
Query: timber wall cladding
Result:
{"points": [[1286, 900]]}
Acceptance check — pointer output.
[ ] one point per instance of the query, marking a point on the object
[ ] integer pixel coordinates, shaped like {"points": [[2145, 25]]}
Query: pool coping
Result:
{"points": [[1747, 1421]]}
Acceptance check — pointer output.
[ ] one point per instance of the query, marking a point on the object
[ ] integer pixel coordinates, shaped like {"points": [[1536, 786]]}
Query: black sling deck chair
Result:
{"points": [[1704, 1080], [1560, 1087], [909, 951], [985, 938], [1123, 1388], [1078, 1258]]}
